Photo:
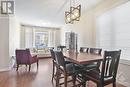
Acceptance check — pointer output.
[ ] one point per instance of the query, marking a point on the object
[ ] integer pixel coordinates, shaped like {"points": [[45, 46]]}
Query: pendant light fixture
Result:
{"points": [[73, 14]]}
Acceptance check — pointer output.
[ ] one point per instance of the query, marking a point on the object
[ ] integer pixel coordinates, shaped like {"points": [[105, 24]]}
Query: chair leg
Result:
{"points": [[74, 80], [84, 81], [37, 64], [84, 84], [114, 84], [100, 85], [29, 67], [53, 71], [65, 80], [57, 77], [17, 67]]}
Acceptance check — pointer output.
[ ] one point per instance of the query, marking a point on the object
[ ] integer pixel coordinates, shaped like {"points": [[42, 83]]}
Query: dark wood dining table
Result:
{"points": [[82, 58]]}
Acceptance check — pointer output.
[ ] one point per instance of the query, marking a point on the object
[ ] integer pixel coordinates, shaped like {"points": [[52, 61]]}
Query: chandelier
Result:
{"points": [[73, 14]]}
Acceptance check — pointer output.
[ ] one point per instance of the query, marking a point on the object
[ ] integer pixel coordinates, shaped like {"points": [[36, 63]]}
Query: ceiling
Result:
{"points": [[47, 12]]}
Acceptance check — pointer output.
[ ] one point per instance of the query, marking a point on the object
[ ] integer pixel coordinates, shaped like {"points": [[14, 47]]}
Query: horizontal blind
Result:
{"points": [[113, 30]]}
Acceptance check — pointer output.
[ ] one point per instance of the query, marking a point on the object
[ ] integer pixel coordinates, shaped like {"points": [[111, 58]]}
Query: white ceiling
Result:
{"points": [[47, 12]]}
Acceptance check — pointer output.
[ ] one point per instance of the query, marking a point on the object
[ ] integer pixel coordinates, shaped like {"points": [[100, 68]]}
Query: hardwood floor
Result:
{"points": [[34, 78]]}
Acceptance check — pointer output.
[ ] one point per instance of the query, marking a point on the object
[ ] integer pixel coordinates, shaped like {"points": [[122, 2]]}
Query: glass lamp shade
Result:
{"points": [[73, 15], [75, 12], [68, 18]]}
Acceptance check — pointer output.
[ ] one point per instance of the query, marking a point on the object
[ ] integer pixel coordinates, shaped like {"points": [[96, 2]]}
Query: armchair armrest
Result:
{"points": [[34, 56]]}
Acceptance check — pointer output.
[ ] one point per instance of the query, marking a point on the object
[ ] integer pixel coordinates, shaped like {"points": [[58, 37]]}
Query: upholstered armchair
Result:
{"points": [[23, 57]]}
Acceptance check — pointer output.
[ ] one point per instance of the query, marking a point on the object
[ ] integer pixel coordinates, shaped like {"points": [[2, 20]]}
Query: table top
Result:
{"points": [[82, 58]]}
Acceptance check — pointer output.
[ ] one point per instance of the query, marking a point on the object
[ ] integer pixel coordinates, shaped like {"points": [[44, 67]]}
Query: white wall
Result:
{"points": [[4, 42], [9, 39], [84, 29], [22, 37], [14, 35]]}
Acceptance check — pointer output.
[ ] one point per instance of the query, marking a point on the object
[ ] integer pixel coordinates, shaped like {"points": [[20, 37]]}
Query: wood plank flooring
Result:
{"points": [[34, 78]]}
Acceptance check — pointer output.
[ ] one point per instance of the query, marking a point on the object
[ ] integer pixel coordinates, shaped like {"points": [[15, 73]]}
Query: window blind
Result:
{"points": [[113, 30]]}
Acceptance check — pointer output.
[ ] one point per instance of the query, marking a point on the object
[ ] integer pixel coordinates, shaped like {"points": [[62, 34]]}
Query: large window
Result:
{"points": [[113, 30], [41, 39]]}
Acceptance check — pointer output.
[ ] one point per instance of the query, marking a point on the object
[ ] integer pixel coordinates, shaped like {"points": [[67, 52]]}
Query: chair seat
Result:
{"points": [[96, 75], [67, 61], [72, 68], [90, 66]]}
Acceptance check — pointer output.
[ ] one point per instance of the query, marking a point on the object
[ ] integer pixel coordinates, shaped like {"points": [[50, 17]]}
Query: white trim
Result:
{"points": [[126, 84], [123, 76], [125, 62], [5, 69]]}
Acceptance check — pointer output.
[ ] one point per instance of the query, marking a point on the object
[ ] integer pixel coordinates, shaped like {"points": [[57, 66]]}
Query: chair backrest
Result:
{"points": [[23, 56], [61, 48], [51, 48], [95, 51], [60, 58], [110, 64], [84, 49], [52, 54]]}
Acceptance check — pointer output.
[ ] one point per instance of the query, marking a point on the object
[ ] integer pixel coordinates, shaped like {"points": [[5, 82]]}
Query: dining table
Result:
{"points": [[82, 58]]}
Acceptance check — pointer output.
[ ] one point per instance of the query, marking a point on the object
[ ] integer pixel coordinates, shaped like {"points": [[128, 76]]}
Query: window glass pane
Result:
{"points": [[41, 39]]}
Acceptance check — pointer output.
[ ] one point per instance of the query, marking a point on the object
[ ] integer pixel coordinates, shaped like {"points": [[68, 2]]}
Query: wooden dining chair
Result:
{"points": [[95, 51], [54, 63], [94, 65], [84, 49], [65, 69], [61, 48], [108, 72]]}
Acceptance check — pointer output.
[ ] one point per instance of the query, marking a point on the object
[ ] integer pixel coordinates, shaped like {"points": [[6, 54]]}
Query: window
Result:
{"points": [[41, 39], [113, 30]]}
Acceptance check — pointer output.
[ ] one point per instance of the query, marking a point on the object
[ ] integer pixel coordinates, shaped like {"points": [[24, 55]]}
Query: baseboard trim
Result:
{"points": [[4, 69], [124, 83], [43, 57], [123, 72], [125, 62]]}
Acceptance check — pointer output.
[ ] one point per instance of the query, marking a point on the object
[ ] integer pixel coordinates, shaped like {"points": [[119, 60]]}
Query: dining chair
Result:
{"points": [[65, 69], [51, 48], [84, 49], [94, 65], [96, 51], [23, 57], [61, 48], [108, 72], [54, 63]]}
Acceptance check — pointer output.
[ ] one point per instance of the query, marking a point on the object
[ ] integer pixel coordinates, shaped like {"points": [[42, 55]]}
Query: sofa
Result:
{"points": [[42, 52]]}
